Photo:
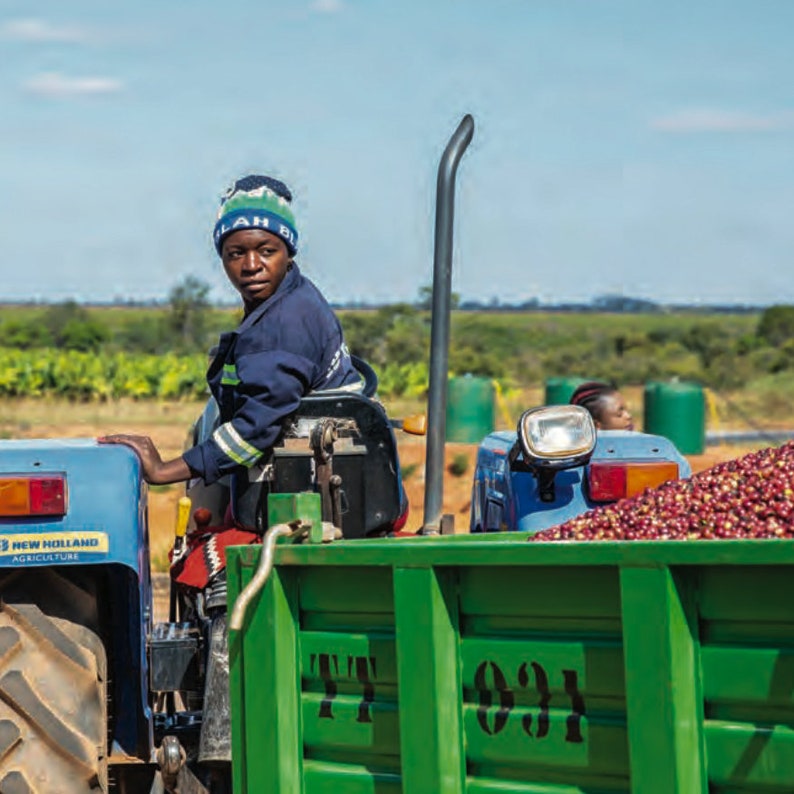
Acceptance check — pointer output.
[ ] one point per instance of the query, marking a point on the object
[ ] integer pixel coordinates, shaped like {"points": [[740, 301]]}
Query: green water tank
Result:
{"points": [[470, 409], [559, 390], [676, 410]]}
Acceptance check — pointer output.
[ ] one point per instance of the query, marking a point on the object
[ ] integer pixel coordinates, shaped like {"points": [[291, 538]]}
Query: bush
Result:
{"points": [[84, 335], [187, 318], [25, 334], [459, 465], [776, 324]]}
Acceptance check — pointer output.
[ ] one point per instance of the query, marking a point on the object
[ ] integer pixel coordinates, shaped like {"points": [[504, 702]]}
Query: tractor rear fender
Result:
{"points": [[100, 544]]}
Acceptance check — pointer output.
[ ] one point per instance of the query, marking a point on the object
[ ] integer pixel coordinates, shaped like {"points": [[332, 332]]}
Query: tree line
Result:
{"points": [[186, 323], [721, 351]]}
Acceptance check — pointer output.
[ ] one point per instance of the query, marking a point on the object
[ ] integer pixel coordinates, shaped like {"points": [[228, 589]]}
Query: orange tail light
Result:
{"points": [[32, 495]]}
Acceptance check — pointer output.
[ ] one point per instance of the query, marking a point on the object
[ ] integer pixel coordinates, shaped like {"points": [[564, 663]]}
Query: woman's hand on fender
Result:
{"points": [[154, 469]]}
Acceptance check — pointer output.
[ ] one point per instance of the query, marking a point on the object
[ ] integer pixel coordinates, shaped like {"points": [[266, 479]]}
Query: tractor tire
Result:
{"points": [[53, 710]]}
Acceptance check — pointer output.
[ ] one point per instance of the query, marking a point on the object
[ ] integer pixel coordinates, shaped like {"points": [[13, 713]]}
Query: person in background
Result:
{"points": [[605, 404]]}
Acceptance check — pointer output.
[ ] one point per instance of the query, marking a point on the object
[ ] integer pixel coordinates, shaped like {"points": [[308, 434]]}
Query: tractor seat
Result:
{"points": [[364, 455]]}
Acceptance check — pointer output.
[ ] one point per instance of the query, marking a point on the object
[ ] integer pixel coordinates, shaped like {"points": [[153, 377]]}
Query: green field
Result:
{"points": [[107, 353]]}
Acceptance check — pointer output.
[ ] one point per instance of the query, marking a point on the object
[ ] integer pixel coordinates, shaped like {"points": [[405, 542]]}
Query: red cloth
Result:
{"points": [[206, 554]]}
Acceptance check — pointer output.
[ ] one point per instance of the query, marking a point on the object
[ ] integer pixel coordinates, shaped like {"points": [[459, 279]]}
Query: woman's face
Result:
{"points": [[614, 415], [255, 262]]}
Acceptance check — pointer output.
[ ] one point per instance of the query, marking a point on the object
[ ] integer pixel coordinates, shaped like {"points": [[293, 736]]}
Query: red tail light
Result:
{"points": [[608, 481], [32, 495]]}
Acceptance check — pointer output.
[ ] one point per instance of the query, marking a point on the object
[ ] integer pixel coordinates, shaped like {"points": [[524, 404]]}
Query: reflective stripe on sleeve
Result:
{"points": [[229, 376], [235, 446]]}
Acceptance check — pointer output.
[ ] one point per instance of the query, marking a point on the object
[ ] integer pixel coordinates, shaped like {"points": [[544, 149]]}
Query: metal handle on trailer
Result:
{"points": [[260, 577], [439, 333]]}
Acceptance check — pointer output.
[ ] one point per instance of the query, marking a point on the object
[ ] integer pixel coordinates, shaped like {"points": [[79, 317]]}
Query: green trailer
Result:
{"points": [[486, 664]]}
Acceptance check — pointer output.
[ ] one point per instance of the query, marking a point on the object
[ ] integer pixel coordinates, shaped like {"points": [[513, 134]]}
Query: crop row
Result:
{"points": [[71, 374], [87, 376]]}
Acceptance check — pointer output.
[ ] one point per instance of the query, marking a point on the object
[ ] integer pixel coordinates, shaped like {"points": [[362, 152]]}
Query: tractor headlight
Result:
{"points": [[558, 435]]}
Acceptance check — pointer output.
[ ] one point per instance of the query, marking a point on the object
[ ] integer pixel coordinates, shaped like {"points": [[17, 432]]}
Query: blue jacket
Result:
{"points": [[288, 346]]}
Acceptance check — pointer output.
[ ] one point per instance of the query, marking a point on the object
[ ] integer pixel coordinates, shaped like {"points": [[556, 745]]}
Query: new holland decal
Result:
{"points": [[20, 548]]}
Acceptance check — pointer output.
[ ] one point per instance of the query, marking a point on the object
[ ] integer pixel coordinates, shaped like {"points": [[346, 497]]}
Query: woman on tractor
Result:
{"points": [[288, 344]]}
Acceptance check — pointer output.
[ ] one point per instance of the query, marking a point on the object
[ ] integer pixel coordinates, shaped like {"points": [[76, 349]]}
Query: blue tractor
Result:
{"points": [[76, 709], [555, 467]]}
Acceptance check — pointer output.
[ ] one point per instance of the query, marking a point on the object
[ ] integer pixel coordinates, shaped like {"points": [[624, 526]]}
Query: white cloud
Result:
{"points": [[60, 86], [40, 31], [327, 6], [713, 120]]}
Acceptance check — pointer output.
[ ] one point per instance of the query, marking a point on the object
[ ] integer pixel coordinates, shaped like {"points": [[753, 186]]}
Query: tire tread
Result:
{"points": [[53, 712]]}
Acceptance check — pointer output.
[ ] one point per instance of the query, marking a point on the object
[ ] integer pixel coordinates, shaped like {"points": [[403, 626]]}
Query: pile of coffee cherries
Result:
{"points": [[750, 497]]}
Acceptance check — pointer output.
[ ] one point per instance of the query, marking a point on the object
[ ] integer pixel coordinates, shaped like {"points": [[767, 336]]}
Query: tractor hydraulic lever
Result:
{"points": [[323, 436]]}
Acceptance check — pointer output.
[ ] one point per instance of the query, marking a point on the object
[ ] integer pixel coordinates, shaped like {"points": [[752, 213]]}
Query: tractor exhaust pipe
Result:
{"points": [[439, 332]]}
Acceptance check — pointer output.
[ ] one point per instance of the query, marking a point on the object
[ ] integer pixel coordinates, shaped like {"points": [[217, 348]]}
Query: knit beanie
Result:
{"points": [[257, 202]]}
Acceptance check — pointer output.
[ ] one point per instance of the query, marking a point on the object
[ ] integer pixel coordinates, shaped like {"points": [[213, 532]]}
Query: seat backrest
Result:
{"points": [[364, 456]]}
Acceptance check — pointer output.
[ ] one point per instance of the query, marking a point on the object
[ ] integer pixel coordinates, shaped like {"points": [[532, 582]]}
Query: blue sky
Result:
{"points": [[621, 146]]}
